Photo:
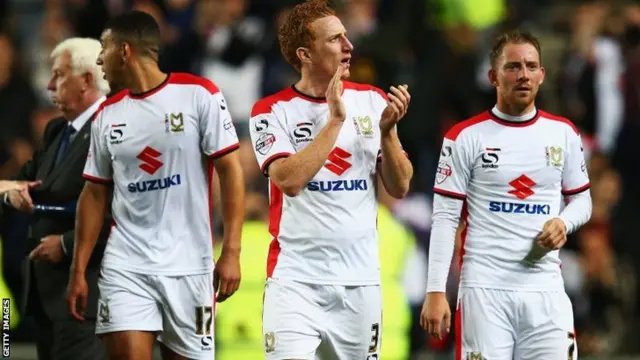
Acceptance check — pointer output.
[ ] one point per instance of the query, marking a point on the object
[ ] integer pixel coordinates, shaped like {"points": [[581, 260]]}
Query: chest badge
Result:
{"points": [[364, 125], [174, 122], [554, 156]]}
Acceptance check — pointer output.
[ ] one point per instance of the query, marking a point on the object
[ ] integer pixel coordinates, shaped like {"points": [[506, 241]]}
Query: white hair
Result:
{"points": [[84, 53]]}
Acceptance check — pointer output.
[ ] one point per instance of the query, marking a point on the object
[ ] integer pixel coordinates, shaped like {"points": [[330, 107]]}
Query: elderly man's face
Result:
{"points": [[66, 87]]}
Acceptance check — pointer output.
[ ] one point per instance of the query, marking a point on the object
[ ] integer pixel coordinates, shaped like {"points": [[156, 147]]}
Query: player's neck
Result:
{"points": [[312, 86], [515, 110], [144, 76]]}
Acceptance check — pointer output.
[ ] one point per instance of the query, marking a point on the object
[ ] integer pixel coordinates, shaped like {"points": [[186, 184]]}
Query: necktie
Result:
{"points": [[64, 143]]}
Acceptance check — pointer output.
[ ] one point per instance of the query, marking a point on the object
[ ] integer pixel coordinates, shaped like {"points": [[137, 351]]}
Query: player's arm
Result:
{"points": [[219, 141], [90, 214], [288, 169], [577, 196], [292, 173], [232, 193], [452, 178], [394, 167], [92, 207], [575, 186]]}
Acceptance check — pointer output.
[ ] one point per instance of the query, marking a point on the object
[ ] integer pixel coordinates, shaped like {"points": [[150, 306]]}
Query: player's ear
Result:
{"points": [[125, 51], [543, 72], [304, 54], [493, 77]]}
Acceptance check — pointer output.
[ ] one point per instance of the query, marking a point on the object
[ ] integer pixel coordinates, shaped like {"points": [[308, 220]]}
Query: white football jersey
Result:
{"points": [[327, 234], [157, 149], [512, 177]]}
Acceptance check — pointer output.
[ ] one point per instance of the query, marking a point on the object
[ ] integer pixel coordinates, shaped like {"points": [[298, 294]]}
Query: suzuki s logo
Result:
{"points": [[150, 164], [337, 162], [522, 187]]}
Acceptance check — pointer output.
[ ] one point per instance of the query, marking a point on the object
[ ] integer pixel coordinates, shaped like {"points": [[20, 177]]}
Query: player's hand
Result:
{"points": [[77, 294], [553, 235], [399, 99], [226, 276], [435, 313], [6, 185], [20, 199], [337, 110], [50, 249]]}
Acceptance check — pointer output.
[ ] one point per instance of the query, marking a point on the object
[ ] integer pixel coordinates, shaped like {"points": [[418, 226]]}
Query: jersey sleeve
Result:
{"points": [[269, 138], [574, 177], [98, 165], [454, 168], [217, 132]]}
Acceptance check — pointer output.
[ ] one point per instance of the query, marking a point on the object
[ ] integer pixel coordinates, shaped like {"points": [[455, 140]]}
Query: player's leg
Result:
{"points": [[546, 327], [188, 309], [128, 316], [484, 323], [129, 345], [292, 320], [355, 321]]}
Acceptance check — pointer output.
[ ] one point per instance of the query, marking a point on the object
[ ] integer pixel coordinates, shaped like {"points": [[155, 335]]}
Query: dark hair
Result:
{"points": [[512, 37], [139, 29], [295, 31]]}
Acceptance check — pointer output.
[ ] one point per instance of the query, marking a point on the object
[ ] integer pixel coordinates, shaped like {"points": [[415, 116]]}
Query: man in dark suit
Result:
{"points": [[78, 88]]}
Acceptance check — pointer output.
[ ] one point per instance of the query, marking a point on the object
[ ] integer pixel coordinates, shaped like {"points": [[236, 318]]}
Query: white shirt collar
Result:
{"points": [[522, 118], [82, 119]]}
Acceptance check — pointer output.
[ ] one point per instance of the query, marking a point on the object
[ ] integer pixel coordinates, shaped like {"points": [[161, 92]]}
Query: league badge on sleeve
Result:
{"points": [[443, 172], [265, 143]]}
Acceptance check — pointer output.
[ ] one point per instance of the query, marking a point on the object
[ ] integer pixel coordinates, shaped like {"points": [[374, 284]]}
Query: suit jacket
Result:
{"points": [[61, 184]]}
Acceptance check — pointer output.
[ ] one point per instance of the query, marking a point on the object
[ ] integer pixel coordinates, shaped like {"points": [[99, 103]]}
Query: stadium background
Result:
{"points": [[439, 48]]}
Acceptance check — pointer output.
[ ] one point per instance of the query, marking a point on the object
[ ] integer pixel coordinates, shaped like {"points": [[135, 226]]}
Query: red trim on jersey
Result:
{"points": [[146, 94], [272, 158], [524, 123], [576, 190], [264, 105], [225, 151], [275, 216], [463, 234], [453, 133], [190, 79], [458, 330], [550, 116], [315, 99], [110, 101], [364, 87], [97, 179], [448, 193]]}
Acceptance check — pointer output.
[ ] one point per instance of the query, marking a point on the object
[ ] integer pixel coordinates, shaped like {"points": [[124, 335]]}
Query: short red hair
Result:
{"points": [[295, 31]]}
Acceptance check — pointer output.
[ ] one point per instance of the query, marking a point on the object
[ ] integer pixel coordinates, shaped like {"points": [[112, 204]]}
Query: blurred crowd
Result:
{"points": [[591, 50]]}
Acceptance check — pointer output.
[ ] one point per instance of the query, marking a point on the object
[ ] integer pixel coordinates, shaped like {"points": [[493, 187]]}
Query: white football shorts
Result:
{"points": [[307, 321], [180, 308], [505, 325]]}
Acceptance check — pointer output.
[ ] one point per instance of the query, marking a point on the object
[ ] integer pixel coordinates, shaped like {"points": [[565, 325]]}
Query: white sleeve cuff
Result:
{"points": [[578, 210], [5, 199], [446, 217]]}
